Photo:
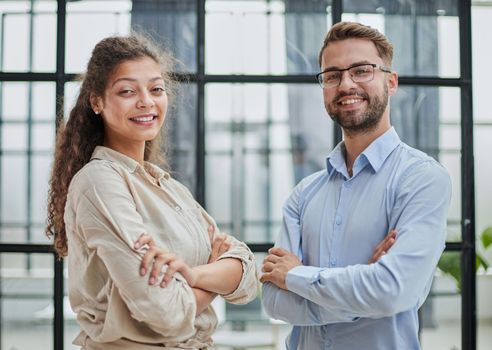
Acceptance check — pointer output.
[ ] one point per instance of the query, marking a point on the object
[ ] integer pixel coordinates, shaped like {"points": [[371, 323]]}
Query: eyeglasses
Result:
{"points": [[361, 73]]}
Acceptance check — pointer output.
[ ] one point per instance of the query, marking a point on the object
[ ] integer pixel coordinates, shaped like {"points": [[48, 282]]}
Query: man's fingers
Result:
{"points": [[271, 258], [266, 277], [278, 251], [267, 267]]}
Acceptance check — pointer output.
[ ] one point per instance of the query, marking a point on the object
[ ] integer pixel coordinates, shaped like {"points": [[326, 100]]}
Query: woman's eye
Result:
{"points": [[158, 89], [126, 92]]}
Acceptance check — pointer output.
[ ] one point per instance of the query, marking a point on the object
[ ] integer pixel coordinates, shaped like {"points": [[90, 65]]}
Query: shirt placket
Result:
{"points": [[340, 221]]}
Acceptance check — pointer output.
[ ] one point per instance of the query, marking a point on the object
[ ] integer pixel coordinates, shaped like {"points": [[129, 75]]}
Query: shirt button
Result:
{"points": [[333, 262], [338, 220], [177, 208]]}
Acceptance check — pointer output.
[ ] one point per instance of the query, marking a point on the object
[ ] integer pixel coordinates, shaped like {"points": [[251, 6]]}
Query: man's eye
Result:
{"points": [[331, 76], [361, 70]]}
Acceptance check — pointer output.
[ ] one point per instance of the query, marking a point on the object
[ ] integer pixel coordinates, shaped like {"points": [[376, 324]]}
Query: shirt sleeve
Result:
{"points": [[248, 287], [107, 219], [288, 305], [401, 279]]}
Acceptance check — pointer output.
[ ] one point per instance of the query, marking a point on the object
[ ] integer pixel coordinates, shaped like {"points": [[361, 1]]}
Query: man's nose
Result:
{"points": [[346, 82]]}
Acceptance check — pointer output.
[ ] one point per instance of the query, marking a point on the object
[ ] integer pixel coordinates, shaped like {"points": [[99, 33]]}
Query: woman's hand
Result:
{"points": [[383, 247], [162, 261], [220, 244]]}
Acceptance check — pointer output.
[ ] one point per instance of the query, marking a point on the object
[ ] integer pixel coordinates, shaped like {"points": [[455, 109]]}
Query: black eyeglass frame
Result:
{"points": [[373, 65]]}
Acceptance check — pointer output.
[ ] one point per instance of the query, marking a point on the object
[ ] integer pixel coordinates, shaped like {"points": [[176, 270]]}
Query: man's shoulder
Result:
{"points": [[313, 178], [408, 160]]}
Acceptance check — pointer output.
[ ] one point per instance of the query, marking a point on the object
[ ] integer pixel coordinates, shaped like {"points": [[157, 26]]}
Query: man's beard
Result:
{"points": [[352, 123]]}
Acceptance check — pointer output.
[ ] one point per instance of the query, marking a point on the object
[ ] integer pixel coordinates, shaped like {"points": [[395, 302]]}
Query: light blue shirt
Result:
{"points": [[333, 222]]}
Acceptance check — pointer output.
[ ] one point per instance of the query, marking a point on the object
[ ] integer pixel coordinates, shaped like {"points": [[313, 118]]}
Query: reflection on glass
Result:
{"points": [[264, 37], [181, 131], [257, 150], [172, 23], [425, 33]]}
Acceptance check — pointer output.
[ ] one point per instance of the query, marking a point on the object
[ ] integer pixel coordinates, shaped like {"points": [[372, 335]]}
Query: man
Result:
{"points": [[317, 276]]}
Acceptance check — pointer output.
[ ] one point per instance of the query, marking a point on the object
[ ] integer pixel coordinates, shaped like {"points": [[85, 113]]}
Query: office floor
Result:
{"points": [[446, 336]]}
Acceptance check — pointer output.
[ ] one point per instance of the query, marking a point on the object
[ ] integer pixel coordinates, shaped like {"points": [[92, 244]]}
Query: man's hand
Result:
{"points": [[276, 265]]}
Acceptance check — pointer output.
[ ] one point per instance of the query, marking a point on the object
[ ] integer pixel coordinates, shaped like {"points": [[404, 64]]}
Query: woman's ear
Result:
{"points": [[96, 103]]}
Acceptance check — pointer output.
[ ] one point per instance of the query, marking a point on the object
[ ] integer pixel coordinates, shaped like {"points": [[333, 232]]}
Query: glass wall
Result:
{"points": [[248, 125]]}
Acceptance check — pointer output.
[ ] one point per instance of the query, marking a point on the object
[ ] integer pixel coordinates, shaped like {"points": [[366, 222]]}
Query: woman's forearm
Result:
{"points": [[203, 299], [221, 277]]}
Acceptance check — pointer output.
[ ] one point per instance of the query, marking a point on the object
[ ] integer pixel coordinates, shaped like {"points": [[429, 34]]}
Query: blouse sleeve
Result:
{"points": [[249, 285], [107, 220]]}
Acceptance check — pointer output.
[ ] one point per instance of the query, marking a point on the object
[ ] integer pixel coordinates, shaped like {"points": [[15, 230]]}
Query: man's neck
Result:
{"points": [[355, 144]]}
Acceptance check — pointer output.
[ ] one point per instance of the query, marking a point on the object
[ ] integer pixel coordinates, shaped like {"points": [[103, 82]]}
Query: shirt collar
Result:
{"points": [[375, 154], [101, 152]]}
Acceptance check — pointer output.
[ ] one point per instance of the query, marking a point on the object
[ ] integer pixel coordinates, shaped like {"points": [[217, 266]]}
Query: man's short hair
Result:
{"points": [[353, 30]]}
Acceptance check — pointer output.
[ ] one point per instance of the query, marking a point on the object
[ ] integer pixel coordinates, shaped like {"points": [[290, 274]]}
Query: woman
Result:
{"points": [[143, 268]]}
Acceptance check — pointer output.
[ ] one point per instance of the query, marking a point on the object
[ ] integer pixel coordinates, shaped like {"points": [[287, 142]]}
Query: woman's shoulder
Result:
{"points": [[96, 173]]}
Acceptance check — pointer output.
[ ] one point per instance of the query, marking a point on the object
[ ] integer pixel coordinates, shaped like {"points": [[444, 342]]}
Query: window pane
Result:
{"points": [[22, 52], [440, 315], [256, 152], [10, 234], [14, 137], [41, 166], [27, 294], [111, 17], [181, 131], [171, 23], [264, 37], [43, 137], [428, 118], [15, 100], [482, 56], [425, 35], [43, 101], [14, 189]]}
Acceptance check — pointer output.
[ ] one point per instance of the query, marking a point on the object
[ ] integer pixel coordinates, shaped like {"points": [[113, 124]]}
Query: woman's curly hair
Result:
{"points": [[84, 130]]}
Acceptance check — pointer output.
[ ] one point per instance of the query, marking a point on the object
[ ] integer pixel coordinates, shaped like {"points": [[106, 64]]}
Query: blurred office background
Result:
{"points": [[249, 124]]}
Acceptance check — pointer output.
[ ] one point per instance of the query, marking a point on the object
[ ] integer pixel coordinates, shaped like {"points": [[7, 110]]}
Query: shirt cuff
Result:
{"points": [[300, 277]]}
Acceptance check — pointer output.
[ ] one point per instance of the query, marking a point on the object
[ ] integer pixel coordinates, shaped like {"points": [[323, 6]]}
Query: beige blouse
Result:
{"points": [[111, 201]]}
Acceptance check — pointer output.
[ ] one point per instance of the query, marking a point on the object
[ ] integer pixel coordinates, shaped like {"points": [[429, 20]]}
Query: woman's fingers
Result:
{"points": [[142, 240], [147, 259], [220, 245], [211, 230], [158, 267]]}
